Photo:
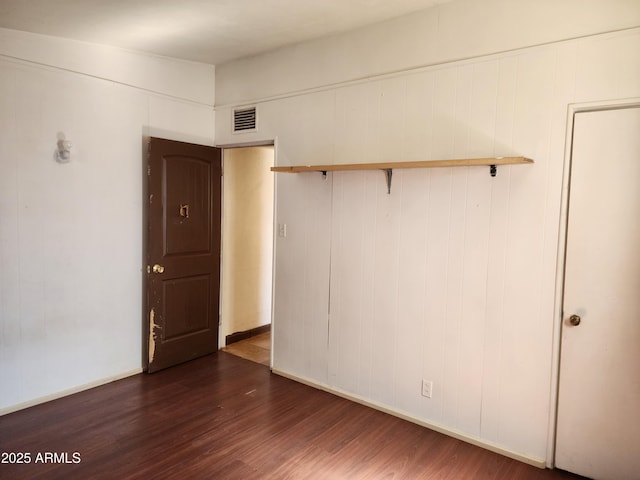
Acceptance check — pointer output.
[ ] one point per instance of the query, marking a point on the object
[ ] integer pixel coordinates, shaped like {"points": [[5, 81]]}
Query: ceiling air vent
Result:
{"points": [[244, 119]]}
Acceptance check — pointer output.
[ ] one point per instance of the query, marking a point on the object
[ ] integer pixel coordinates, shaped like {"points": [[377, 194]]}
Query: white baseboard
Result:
{"points": [[536, 462], [70, 391]]}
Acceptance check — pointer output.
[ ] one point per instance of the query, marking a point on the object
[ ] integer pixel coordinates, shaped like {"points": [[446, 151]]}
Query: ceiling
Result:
{"points": [[209, 31]]}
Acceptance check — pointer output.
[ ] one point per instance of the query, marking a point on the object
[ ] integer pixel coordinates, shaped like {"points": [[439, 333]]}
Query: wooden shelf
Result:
{"points": [[388, 167], [464, 162]]}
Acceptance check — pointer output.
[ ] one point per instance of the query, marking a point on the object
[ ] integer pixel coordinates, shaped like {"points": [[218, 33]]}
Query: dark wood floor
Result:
{"points": [[223, 417]]}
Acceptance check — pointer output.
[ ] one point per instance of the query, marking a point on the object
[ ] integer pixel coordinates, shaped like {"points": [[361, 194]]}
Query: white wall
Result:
{"points": [[71, 235], [183, 80], [452, 277], [247, 239], [456, 30]]}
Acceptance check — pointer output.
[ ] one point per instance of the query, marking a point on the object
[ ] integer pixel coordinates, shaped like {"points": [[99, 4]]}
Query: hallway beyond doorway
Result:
{"points": [[256, 348]]}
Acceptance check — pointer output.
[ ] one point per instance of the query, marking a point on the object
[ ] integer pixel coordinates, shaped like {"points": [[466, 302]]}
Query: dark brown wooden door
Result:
{"points": [[183, 251]]}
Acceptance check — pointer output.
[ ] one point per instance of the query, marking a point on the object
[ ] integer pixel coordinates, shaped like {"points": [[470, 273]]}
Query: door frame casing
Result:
{"points": [[572, 110]]}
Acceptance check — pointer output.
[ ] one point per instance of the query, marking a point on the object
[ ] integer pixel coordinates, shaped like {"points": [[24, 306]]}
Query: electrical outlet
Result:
{"points": [[427, 388], [282, 230]]}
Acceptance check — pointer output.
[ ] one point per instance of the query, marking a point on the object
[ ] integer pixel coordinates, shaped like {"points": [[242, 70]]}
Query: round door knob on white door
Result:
{"points": [[157, 268], [575, 320]]}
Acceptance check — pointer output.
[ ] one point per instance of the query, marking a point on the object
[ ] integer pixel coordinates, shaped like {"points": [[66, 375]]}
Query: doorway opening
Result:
{"points": [[247, 252]]}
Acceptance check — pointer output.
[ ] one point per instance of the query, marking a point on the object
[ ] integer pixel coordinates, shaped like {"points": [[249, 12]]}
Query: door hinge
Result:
{"points": [[148, 170]]}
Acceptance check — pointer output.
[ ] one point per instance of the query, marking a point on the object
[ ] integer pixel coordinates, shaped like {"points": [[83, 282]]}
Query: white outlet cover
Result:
{"points": [[427, 388]]}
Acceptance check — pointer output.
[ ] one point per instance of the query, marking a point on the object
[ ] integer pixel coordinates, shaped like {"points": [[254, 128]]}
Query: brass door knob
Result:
{"points": [[157, 268], [575, 320]]}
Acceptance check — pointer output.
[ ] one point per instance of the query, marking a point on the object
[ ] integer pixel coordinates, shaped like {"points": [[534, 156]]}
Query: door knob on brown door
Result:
{"points": [[575, 320], [157, 268]]}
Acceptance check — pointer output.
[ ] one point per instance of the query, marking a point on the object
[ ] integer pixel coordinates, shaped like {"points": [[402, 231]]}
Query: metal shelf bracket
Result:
{"points": [[388, 173]]}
